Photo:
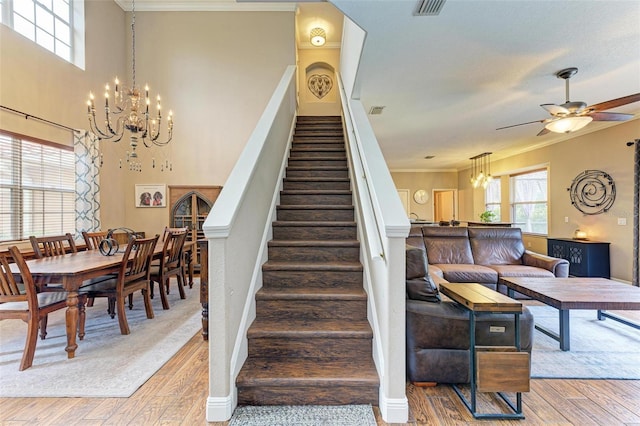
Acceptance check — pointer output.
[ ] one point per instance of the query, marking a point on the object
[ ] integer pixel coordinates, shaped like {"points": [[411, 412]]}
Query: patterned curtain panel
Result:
{"points": [[636, 216], [87, 153]]}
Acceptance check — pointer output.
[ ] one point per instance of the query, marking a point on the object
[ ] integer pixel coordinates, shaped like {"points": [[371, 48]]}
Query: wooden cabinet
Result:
{"points": [[189, 207], [586, 258]]}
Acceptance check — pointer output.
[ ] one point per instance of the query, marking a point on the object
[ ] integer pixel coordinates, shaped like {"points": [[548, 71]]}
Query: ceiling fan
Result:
{"points": [[572, 116]]}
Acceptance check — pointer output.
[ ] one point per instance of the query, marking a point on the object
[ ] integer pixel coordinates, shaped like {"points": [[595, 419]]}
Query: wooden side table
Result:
{"points": [[492, 368]]}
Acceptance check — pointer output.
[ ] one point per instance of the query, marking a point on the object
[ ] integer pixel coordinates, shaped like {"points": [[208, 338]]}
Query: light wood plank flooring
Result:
{"points": [[177, 393]]}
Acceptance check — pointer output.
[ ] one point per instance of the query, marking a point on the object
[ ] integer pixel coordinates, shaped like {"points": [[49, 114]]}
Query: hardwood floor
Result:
{"points": [[177, 394]]}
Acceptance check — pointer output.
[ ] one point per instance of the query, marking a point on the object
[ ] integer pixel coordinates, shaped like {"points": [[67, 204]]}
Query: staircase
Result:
{"points": [[311, 342]]}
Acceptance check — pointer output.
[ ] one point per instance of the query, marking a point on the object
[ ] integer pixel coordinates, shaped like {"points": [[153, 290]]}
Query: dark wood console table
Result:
{"points": [[586, 258]]}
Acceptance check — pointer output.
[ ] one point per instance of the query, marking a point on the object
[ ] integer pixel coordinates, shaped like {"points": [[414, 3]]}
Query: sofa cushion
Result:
{"points": [[464, 273], [496, 245], [507, 271], [447, 244], [419, 284]]}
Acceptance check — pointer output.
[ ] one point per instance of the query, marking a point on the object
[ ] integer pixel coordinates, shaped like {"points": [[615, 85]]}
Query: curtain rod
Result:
{"points": [[28, 116]]}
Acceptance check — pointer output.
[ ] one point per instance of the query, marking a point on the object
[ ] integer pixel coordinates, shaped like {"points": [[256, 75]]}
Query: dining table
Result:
{"points": [[71, 270]]}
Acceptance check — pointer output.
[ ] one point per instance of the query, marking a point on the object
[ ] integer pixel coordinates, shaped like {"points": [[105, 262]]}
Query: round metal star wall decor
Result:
{"points": [[592, 192]]}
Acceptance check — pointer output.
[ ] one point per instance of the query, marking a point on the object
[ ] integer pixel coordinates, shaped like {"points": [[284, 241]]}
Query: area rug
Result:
{"points": [[107, 364], [303, 415], [599, 349]]}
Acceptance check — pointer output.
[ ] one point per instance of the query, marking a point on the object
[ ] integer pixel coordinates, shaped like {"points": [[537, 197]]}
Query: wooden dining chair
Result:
{"points": [[92, 239], [187, 255], [53, 245], [92, 242], [20, 300], [133, 276], [187, 263], [171, 263]]}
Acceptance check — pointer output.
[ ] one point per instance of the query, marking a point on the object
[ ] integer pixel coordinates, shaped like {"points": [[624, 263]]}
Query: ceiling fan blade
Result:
{"points": [[613, 103], [610, 116], [542, 132], [554, 109], [521, 124]]}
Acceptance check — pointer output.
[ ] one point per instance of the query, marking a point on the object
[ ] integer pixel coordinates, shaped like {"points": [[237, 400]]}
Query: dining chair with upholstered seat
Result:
{"points": [[133, 276], [171, 263], [21, 300]]}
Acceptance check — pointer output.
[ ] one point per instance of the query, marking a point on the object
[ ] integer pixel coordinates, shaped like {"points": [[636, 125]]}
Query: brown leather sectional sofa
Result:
{"points": [[437, 328], [481, 255]]}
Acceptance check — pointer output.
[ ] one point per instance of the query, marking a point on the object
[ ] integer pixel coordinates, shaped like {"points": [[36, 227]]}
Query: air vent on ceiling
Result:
{"points": [[376, 110], [428, 7], [429, 157]]}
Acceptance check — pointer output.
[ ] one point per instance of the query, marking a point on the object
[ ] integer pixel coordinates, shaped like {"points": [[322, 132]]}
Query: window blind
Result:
{"points": [[37, 188]]}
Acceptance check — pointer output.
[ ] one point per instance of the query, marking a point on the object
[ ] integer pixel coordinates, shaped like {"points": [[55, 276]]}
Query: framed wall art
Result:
{"points": [[151, 195]]}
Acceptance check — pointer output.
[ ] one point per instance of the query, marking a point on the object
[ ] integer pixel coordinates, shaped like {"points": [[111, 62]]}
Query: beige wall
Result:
{"points": [[310, 104], [215, 70], [603, 150], [428, 181], [37, 82]]}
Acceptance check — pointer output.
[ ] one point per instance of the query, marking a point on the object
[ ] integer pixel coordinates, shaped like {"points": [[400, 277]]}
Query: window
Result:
{"points": [[37, 188], [49, 23], [492, 198], [529, 198]]}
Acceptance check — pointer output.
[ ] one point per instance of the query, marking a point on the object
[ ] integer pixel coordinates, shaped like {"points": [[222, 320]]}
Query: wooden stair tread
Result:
{"points": [[319, 223], [316, 192], [314, 243], [316, 179], [315, 207], [311, 266], [298, 371], [317, 168], [303, 149], [311, 328], [337, 293]]}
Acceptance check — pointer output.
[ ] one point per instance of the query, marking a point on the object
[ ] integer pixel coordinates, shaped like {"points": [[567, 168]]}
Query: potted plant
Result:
{"points": [[487, 216]]}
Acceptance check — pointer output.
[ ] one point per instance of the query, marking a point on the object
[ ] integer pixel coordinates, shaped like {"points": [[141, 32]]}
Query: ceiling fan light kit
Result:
{"points": [[568, 124], [573, 116]]}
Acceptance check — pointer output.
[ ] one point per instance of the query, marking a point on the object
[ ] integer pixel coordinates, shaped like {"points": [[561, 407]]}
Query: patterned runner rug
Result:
{"points": [[303, 415]]}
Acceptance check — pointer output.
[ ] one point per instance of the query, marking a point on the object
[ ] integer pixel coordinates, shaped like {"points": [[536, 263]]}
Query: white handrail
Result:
{"points": [[375, 241]]}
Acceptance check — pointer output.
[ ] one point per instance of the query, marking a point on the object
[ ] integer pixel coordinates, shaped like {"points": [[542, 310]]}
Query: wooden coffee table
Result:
{"points": [[565, 294]]}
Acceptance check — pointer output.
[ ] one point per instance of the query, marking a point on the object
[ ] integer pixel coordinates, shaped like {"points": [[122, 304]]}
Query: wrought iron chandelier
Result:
{"points": [[130, 111], [481, 170]]}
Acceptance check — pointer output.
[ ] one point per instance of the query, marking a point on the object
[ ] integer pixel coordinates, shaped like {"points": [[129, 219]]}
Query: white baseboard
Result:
{"points": [[219, 409], [394, 410]]}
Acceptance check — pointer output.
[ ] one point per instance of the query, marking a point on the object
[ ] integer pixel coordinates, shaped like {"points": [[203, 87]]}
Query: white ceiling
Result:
{"points": [[448, 81]]}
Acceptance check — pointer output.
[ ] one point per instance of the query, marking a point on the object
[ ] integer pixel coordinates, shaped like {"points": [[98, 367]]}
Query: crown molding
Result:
{"points": [[204, 6]]}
